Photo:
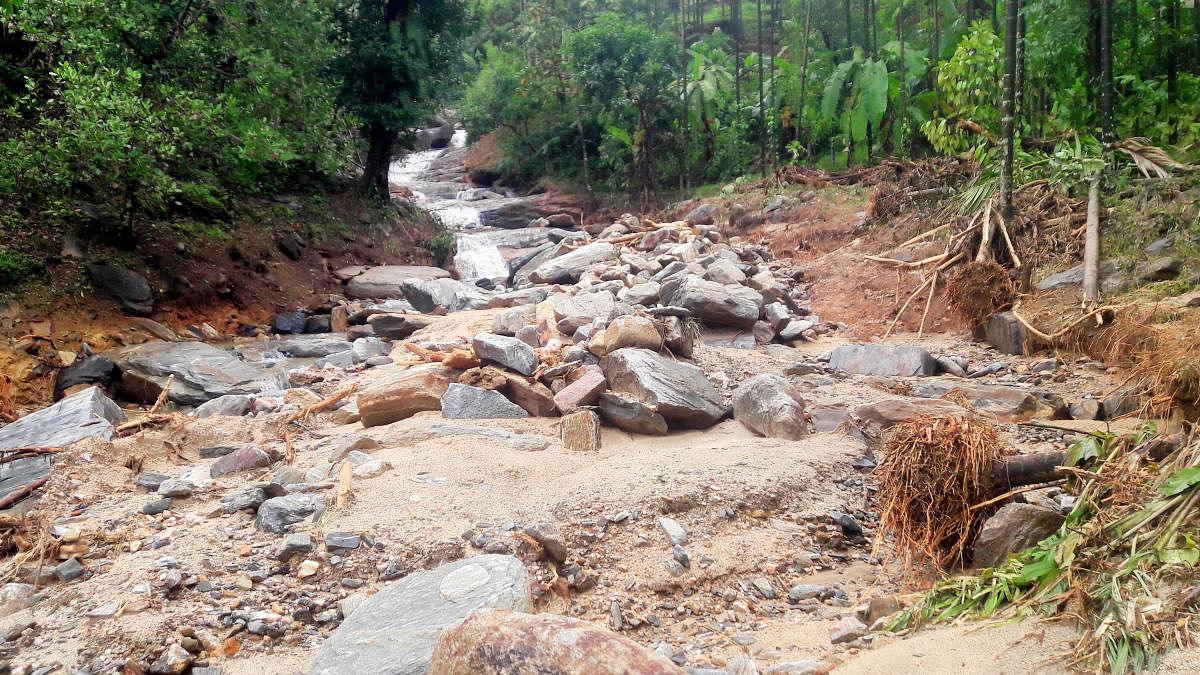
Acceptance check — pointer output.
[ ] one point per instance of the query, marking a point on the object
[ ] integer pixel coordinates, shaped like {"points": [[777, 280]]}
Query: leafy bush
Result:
{"points": [[17, 267]]}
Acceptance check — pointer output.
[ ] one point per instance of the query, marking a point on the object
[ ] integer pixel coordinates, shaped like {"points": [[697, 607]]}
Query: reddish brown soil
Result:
{"points": [[232, 281]]}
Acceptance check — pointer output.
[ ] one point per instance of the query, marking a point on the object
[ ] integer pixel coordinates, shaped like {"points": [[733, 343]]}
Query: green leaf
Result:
{"points": [[858, 123], [873, 88], [621, 135], [833, 91], [1086, 449], [1180, 481], [1179, 556]]}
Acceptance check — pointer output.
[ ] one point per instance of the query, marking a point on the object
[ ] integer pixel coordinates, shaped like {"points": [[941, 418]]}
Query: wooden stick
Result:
{"points": [[985, 242], [162, 395], [141, 422], [22, 493], [1013, 493], [925, 235], [321, 406], [1091, 248], [289, 454], [932, 291], [903, 263], [1063, 331], [343, 487], [905, 305], [1012, 252]]}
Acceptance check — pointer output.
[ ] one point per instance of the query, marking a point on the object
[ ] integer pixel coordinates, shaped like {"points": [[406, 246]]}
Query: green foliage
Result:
{"points": [[970, 86], [17, 267], [441, 246], [156, 105]]}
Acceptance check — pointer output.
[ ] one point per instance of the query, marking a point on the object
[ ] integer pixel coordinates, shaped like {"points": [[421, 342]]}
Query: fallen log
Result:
{"points": [[1019, 470]]}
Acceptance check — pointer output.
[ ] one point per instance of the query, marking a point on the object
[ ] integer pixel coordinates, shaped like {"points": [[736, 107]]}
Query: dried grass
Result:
{"points": [[934, 470], [25, 539]]}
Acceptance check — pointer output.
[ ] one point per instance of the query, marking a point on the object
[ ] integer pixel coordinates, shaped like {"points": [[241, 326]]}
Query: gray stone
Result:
{"points": [[95, 369], [551, 539], [275, 515], [397, 326], [1160, 269], [308, 346], [724, 272], [426, 295], [891, 412], [229, 405], [177, 488], [801, 667], [85, 414], [386, 281], [1123, 402], [342, 540], [69, 570], [466, 402], [569, 266], [631, 415], [645, 294], [1006, 334], [248, 457], [157, 506], [1162, 246], [396, 630], [883, 360], [674, 531], [1108, 272], [714, 304], [678, 391], [128, 289], [1085, 409], [777, 315], [701, 215], [213, 451], [294, 545], [416, 431], [513, 319], [150, 480], [506, 351], [827, 417], [202, 372], [769, 405], [469, 298], [1008, 403], [245, 500], [805, 591], [1014, 528]]}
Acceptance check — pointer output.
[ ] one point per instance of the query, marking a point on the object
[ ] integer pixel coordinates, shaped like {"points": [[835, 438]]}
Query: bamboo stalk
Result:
{"points": [[925, 314], [1091, 248]]}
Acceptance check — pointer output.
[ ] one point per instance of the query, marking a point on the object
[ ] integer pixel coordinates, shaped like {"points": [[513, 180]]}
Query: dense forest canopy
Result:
{"points": [[151, 106]]}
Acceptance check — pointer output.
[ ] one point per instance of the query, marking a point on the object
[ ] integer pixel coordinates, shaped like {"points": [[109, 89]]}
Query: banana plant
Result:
{"points": [[857, 95]]}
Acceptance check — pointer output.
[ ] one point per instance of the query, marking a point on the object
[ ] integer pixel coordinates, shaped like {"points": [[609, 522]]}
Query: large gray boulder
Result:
{"points": [[395, 631], [678, 391], [202, 372], [568, 267], [507, 351], [769, 405], [714, 304], [1111, 279], [128, 289], [278, 513], [1014, 528], [1006, 334], [426, 295], [883, 360], [308, 346], [466, 402], [385, 281], [85, 414]]}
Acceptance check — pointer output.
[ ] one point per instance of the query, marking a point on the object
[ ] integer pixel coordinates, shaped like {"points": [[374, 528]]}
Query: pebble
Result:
{"points": [[157, 506], [308, 568], [675, 532]]}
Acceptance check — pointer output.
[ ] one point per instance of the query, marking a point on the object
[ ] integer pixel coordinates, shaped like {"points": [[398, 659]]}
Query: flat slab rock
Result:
{"points": [[386, 281], [678, 391], [416, 431], [904, 361], [202, 372], [465, 402], [396, 630], [84, 414]]}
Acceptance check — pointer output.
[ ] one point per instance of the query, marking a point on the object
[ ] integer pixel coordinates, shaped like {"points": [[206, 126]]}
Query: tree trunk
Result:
{"points": [[1019, 470], [867, 32], [1172, 34], [804, 64], [903, 78], [683, 78], [737, 54], [1008, 103], [1091, 248], [1108, 134], [374, 184], [762, 120], [1020, 103]]}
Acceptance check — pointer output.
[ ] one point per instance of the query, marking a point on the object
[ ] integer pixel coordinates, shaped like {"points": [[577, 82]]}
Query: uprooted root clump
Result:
{"points": [[933, 476], [1122, 564], [980, 290]]}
